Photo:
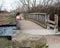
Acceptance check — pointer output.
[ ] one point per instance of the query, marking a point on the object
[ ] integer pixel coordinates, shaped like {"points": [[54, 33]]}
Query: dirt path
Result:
{"points": [[53, 41], [28, 25]]}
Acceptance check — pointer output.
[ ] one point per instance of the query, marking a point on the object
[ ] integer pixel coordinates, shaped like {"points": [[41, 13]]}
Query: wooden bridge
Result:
{"points": [[29, 26], [43, 20]]}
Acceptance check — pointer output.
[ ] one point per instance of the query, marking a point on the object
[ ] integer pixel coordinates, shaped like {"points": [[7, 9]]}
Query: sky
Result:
{"points": [[10, 5]]}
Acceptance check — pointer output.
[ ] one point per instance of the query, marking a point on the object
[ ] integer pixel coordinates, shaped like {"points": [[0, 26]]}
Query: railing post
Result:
{"points": [[48, 18], [37, 16], [45, 20], [56, 23], [53, 24]]}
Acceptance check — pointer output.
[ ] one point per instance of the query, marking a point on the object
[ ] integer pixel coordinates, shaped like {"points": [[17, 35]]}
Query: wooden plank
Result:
{"points": [[53, 22], [50, 25]]}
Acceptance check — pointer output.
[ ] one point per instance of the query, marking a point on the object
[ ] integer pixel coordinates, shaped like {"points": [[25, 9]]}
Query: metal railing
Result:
{"points": [[44, 20], [40, 18]]}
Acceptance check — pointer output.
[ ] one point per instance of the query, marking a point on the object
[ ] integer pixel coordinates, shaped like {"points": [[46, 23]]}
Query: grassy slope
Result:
{"points": [[7, 19], [4, 42]]}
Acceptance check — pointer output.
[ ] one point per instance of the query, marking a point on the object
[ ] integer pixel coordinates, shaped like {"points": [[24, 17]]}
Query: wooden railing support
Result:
{"points": [[53, 24]]}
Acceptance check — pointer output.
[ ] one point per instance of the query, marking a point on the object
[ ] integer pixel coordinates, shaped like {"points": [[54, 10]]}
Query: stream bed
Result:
{"points": [[7, 30]]}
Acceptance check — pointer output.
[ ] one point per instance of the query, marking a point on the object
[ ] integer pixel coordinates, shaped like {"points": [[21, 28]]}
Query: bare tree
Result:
{"points": [[1, 5], [27, 4]]}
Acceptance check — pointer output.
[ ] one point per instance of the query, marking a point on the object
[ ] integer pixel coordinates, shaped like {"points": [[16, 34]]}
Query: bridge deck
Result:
{"points": [[34, 28]]}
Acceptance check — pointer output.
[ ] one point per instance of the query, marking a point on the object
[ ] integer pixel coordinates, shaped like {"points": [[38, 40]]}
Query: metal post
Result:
{"points": [[37, 16]]}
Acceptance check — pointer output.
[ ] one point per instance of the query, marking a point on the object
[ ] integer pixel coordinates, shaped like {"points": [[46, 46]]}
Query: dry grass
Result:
{"points": [[4, 42], [7, 19]]}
